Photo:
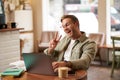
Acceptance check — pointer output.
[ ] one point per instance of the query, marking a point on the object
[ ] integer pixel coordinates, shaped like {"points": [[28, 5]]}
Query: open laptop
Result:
{"points": [[38, 63]]}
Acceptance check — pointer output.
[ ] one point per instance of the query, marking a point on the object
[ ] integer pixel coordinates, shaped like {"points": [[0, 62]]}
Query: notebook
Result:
{"points": [[38, 63], [12, 72]]}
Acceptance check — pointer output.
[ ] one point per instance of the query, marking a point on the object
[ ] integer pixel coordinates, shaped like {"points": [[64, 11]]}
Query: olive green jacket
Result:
{"points": [[83, 52]]}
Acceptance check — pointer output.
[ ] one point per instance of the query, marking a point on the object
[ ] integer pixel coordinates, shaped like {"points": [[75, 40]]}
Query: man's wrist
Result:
{"points": [[50, 50], [68, 63]]}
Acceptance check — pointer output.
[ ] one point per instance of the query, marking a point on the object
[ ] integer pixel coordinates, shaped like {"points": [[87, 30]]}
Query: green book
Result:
{"points": [[12, 72]]}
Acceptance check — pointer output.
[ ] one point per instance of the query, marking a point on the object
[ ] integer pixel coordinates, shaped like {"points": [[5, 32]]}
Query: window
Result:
{"points": [[2, 16], [83, 9], [1, 12], [115, 18]]}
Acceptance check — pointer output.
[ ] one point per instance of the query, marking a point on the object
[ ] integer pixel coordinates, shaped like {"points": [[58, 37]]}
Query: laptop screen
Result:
{"points": [[38, 63]]}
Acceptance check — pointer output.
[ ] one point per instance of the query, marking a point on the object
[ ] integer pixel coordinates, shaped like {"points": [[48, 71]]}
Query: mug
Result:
{"points": [[13, 25], [3, 26]]}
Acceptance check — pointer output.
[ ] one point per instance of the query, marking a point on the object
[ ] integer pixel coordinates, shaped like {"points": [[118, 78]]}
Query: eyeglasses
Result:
{"points": [[66, 25]]}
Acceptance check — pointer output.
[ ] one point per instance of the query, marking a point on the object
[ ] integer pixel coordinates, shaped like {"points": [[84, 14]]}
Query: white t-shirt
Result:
{"points": [[68, 51]]}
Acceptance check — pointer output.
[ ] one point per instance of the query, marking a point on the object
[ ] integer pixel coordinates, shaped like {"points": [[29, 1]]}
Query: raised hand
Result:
{"points": [[54, 42]]}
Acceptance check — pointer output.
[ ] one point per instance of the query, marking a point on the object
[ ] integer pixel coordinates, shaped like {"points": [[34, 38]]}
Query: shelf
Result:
{"points": [[12, 29]]}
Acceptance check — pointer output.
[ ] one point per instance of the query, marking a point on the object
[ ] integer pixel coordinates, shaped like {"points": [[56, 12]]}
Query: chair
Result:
{"points": [[46, 36], [116, 53], [99, 38], [21, 47]]}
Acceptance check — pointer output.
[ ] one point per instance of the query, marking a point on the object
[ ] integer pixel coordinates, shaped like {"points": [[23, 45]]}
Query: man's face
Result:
{"points": [[69, 27]]}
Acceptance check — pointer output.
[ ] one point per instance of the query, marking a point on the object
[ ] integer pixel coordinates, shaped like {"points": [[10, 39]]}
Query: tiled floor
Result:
{"points": [[97, 72]]}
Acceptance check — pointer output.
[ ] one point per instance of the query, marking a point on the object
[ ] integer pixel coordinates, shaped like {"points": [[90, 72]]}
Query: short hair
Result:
{"points": [[72, 17]]}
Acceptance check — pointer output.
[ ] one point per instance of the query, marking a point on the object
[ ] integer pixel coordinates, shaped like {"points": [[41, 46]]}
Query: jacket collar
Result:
{"points": [[82, 38]]}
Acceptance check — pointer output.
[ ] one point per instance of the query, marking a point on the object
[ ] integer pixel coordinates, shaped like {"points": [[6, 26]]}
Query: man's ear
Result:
{"points": [[77, 24]]}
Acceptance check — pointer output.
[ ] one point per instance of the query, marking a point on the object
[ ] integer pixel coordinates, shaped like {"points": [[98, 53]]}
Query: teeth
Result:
{"points": [[68, 31]]}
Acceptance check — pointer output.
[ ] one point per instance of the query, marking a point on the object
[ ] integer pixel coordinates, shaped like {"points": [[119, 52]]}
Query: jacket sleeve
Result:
{"points": [[89, 52]]}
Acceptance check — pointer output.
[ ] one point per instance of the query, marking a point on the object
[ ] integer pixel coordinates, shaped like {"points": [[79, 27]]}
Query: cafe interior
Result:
{"points": [[27, 26]]}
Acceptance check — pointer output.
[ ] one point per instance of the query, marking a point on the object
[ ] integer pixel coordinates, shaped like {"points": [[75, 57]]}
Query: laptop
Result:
{"points": [[38, 63]]}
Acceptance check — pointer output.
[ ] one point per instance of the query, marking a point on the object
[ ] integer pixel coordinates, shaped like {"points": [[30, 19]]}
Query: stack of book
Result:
{"points": [[12, 72]]}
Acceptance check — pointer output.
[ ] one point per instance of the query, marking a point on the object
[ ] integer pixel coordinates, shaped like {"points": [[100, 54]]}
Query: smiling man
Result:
{"points": [[75, 50]]}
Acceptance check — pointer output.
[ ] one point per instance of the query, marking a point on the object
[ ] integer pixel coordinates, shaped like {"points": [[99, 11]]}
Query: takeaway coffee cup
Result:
{"points": [[13, 24], [63, 72]]}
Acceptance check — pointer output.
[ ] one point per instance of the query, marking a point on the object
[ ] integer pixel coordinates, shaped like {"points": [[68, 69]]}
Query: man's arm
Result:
{"points": [[89, 52]]}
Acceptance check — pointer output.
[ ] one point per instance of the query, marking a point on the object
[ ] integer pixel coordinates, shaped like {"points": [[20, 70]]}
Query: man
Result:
{"points": [[75, 50]]}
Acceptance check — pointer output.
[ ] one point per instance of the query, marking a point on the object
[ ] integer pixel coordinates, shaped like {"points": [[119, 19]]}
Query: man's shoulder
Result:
{"points": [[89, 41]]}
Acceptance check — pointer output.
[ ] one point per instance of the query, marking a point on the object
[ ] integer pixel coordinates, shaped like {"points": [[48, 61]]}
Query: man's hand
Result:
{"points": [[54, 42], [58, 64]]}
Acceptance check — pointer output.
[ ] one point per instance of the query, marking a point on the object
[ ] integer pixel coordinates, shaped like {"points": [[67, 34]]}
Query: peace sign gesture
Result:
{"points": [[54, 42]]}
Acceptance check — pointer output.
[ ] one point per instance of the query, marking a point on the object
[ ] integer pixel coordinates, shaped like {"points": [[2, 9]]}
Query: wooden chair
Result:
{"points": [[99, 38], [46, 36], [116, 53], [21, 47]]}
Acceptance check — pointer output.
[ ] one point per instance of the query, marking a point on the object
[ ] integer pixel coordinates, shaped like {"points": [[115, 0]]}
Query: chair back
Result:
{"points": [[46, 36], [99, 38], [115, 42]]}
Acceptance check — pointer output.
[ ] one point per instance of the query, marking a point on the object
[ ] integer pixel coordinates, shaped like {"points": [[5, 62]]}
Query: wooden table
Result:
{"points": [[79, 75], [109, 47]]}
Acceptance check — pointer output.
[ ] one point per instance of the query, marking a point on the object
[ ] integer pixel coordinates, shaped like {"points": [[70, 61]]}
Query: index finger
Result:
{"points": [[56, 34], [59, 38]]}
